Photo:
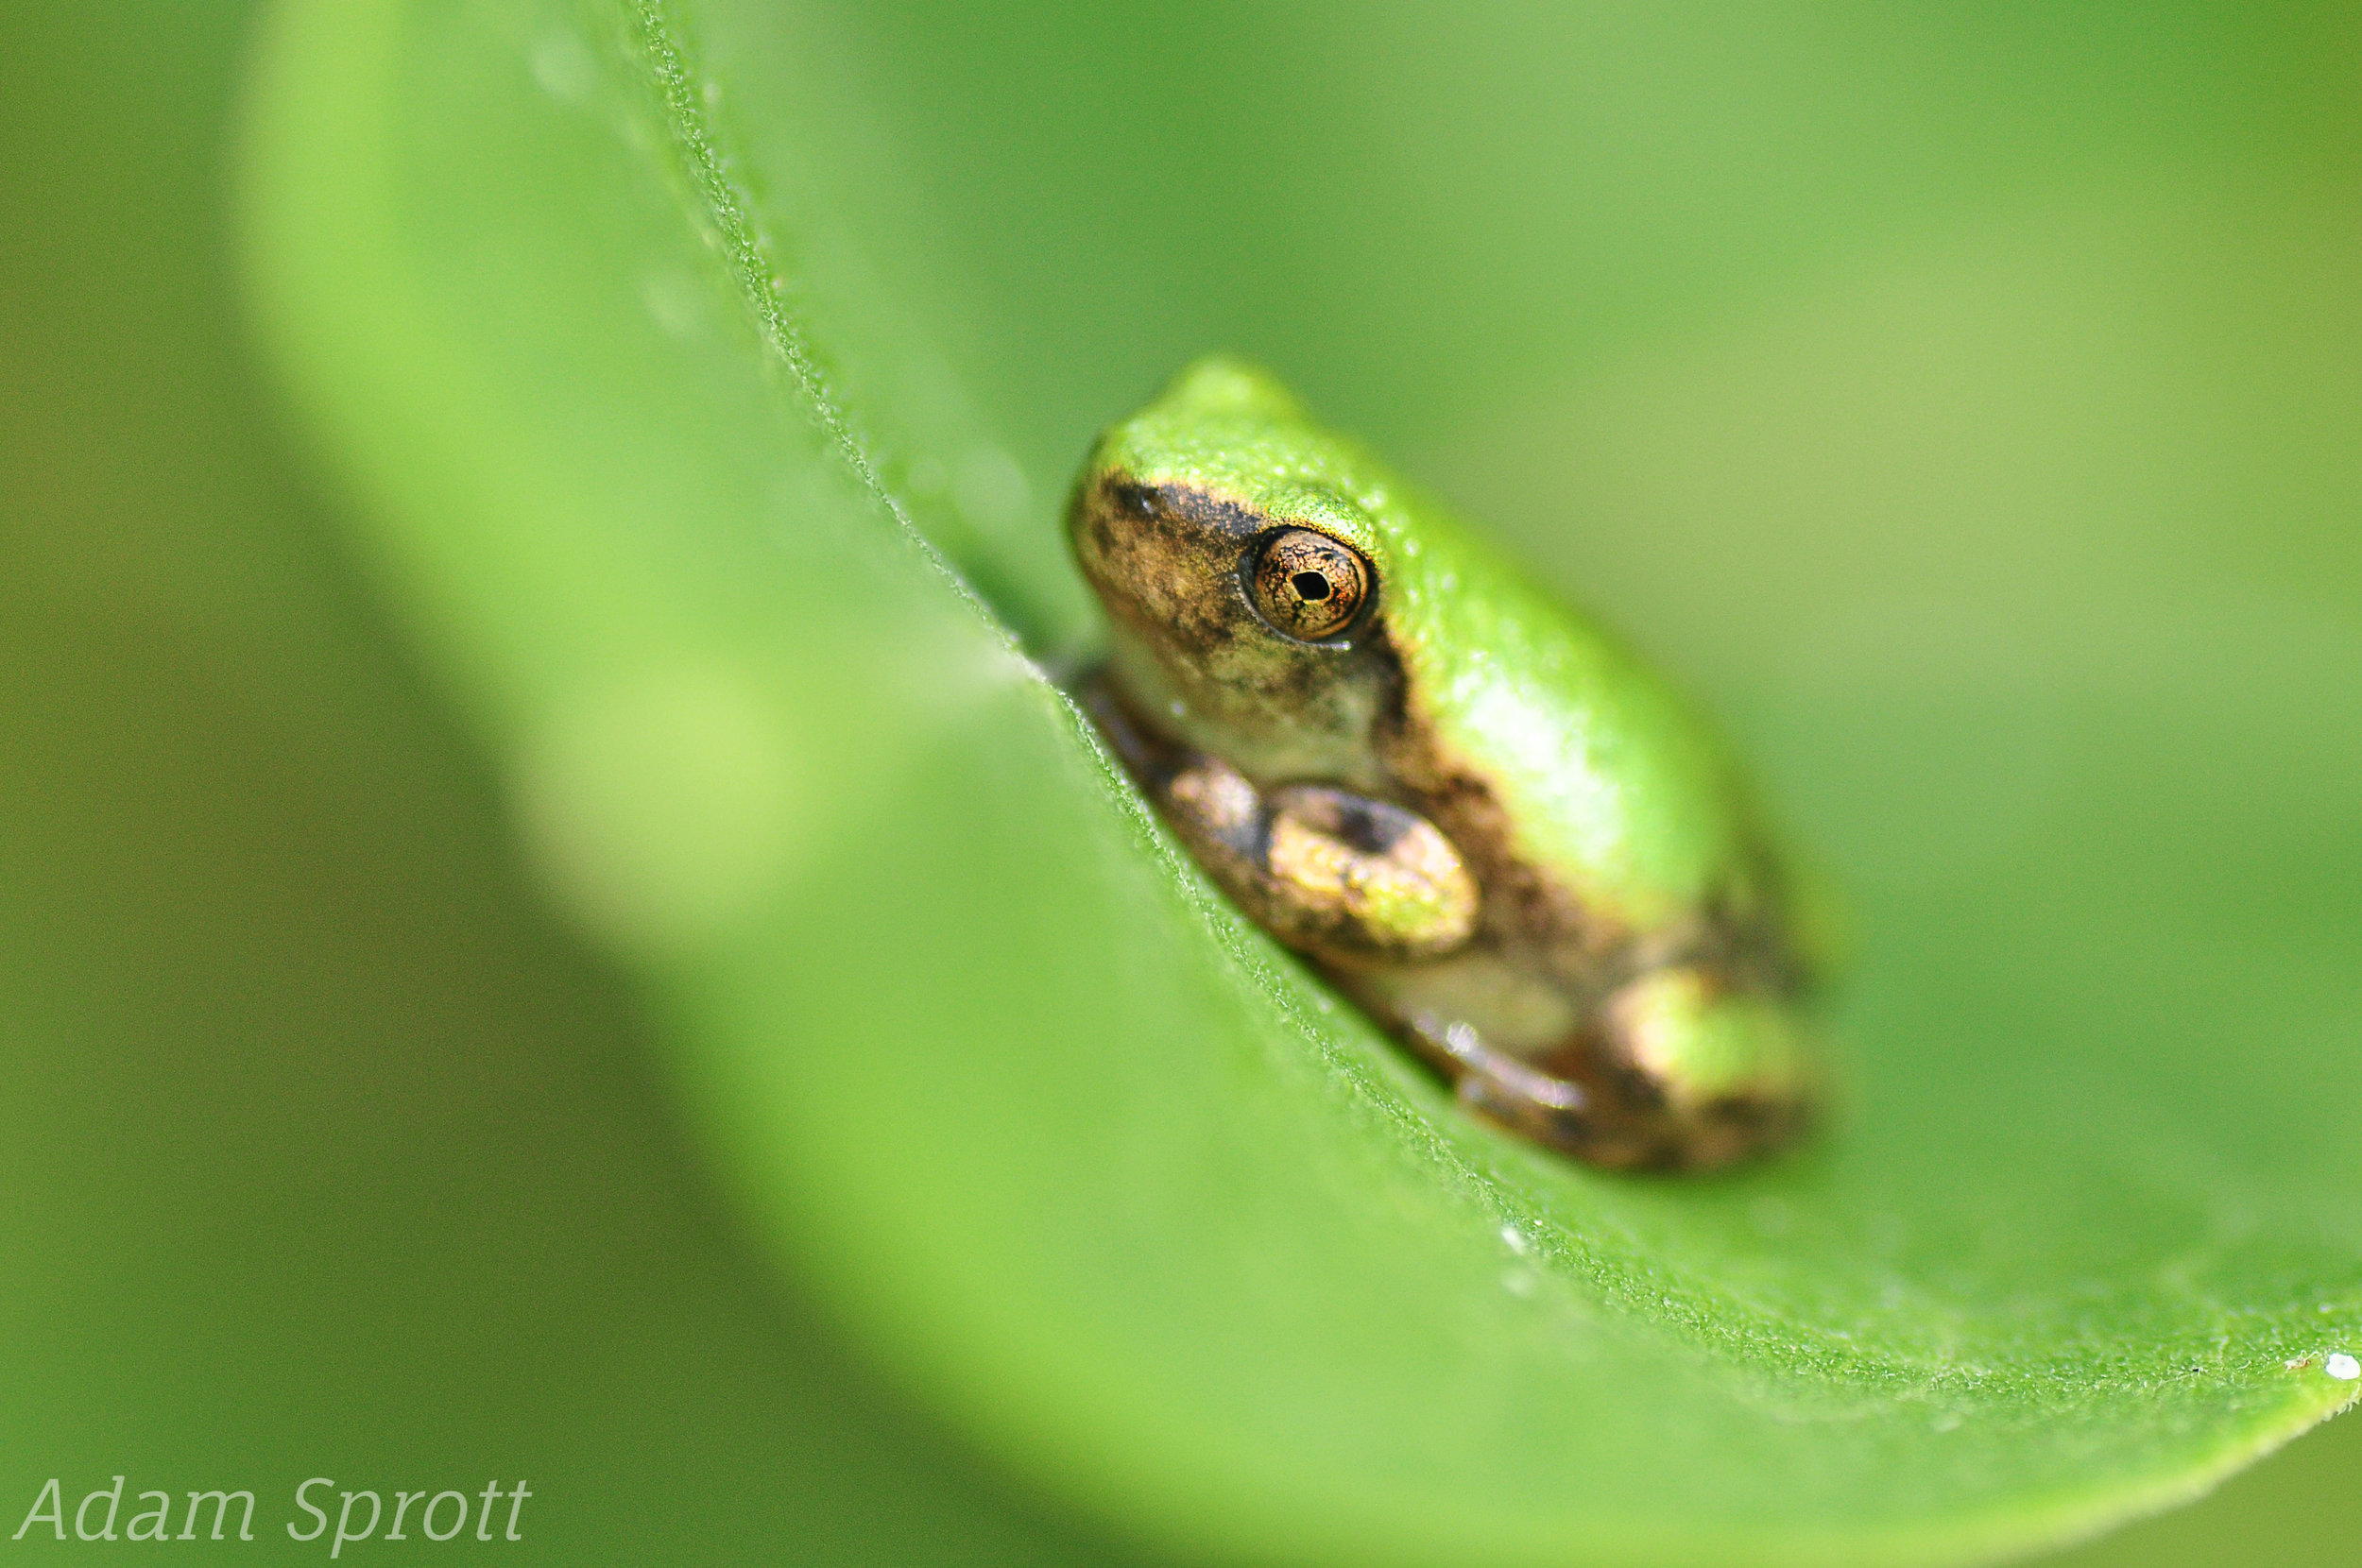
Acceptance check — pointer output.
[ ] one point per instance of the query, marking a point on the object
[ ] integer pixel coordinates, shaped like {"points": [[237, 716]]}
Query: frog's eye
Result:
{"points": [[1308, 585]]}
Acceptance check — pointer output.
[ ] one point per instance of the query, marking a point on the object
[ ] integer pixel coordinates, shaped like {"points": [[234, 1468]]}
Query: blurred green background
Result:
{"points": [[2019, 344]]}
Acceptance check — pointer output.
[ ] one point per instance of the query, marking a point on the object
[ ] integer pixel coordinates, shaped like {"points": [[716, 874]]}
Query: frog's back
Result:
{"points": [[1609, 781]]}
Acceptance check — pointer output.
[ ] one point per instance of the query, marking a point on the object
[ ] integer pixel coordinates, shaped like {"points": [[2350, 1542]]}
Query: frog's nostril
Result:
{"points": [[1310, 585]]}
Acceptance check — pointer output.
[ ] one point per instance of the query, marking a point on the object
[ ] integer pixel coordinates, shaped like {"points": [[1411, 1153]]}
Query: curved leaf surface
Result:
{"points": [[1091, 1164]]}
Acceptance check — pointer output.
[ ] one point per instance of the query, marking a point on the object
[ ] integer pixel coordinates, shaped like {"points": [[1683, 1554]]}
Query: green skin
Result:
{"points": [[1478, 815]]}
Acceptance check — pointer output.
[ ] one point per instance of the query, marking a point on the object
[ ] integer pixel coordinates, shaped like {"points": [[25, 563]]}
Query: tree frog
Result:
{"points": [[1478, 815]]}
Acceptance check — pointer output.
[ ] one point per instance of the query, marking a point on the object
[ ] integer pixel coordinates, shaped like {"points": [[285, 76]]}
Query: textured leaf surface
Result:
{"points": [[580, 311]]}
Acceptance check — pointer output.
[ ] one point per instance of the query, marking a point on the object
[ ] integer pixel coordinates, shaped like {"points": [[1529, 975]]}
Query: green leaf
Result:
{"points": [[327, 1151], [576, 298]]}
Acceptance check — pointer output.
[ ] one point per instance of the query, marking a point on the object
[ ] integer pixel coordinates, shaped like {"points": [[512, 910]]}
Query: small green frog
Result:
{"points": [[1480, 817]]}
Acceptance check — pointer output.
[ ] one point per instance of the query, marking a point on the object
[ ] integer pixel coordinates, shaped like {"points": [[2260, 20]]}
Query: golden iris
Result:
{"points": [[1308, 585]]}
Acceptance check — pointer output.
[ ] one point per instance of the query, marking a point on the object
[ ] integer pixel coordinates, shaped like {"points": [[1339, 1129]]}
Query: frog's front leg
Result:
{"points": [[1340, 875], [1349, 880]]}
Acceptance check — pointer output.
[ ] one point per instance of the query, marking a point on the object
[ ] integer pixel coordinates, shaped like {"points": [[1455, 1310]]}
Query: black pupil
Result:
{"points": [[1310, 585]]}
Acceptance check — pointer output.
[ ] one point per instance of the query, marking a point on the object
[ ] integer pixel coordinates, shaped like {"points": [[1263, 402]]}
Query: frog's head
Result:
{"points": [[1243, 582]]}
